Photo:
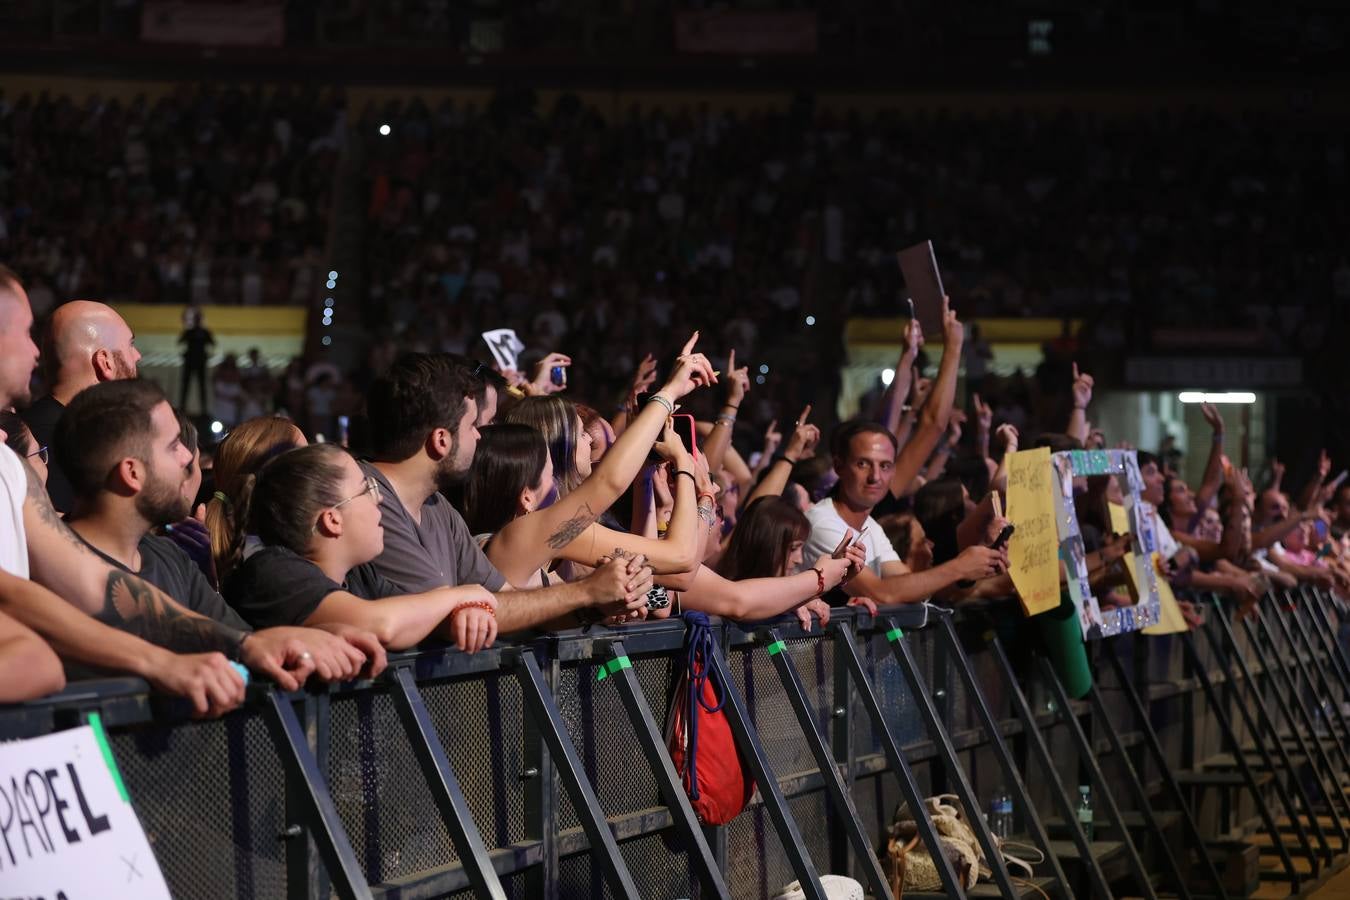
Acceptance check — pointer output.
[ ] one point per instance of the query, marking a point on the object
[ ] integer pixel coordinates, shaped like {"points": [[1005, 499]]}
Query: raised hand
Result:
{"points": [[984, 414], [953, 332], [913, 340], [1276, 472], [644, 376], [1323, 465], [773, 438], [738, 380], [541, 380], [805, 437], [692, 370], [1008, 436], [1082, 388], [866, 603], [919, 389], [1212, 416], [670, 447], [954, 424]]}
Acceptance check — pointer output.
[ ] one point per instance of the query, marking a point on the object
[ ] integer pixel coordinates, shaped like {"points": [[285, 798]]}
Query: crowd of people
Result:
{"points": [[472, 504], [595, 232]]}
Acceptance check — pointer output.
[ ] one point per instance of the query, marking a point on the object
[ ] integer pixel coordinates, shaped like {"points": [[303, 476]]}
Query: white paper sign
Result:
{"points": [[67, 829], [505, 346]]}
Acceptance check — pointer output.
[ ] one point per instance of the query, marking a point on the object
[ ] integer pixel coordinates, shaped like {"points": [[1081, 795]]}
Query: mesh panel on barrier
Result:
{"points": [[478, 721], [600, 729], [379, 791], [214, 836]]}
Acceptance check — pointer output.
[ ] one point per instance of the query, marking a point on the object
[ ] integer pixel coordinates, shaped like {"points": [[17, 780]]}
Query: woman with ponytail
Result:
{"points": [[317, 516], [242, 454]]}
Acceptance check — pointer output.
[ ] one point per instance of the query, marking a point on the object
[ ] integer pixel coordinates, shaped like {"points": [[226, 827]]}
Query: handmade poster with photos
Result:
{"points": [[1123, 466]]}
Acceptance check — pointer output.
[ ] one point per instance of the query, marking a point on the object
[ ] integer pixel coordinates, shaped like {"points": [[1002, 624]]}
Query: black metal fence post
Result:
{"points": [[539, 701], [835, 787], [938, 734], [900, 767], [302, 771], [667, 779], [444, 785]]}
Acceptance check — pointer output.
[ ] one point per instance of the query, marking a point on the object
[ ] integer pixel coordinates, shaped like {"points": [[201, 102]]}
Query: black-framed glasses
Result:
{"points": [[41, 453]]}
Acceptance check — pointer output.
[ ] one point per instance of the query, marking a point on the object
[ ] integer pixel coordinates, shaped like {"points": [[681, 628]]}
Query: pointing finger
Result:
{"points": [[689, 344]]}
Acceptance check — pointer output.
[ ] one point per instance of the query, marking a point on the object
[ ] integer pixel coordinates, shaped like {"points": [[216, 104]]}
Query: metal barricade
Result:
{"points": [[539, 768]]}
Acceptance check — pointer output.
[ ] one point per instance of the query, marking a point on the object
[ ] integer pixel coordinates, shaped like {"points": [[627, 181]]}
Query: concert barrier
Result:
{"points": [[539, 769]]}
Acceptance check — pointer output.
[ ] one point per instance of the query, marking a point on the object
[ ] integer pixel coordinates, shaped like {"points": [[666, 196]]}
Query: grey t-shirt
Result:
{"points": [[439, 552]]}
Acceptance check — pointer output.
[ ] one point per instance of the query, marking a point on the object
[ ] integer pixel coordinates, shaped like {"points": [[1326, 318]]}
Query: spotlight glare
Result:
{"points": [[384, 130], [217, 426], [887, 376]]}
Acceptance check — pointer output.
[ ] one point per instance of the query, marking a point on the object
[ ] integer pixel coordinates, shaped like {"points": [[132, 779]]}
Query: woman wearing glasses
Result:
{"points": [[318, 517]]}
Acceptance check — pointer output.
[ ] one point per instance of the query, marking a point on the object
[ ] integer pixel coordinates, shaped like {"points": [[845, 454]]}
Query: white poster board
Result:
{"points": [[505, 347], [67, 829]]}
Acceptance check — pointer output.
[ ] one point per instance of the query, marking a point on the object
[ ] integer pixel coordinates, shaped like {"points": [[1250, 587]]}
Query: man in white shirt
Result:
{"points": [[864, 459]]}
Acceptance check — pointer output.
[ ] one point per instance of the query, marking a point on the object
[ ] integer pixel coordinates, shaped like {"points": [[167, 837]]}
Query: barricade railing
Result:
{"points": [[539, 768]]}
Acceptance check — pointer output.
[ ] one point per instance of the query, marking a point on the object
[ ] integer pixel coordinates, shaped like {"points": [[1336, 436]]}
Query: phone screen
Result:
{"points": [[683, 423]]}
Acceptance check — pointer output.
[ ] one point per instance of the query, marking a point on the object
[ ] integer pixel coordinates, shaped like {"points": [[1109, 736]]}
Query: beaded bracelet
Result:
{"points": [[475, 604], [820, 580]]}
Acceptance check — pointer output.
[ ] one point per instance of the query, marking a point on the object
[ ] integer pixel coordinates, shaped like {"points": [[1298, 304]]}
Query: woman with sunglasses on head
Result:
{"points": [[551, 513], [318, 518]]}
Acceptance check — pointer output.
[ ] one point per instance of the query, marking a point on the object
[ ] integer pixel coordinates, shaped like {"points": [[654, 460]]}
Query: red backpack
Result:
{"points": [[699, 737]]}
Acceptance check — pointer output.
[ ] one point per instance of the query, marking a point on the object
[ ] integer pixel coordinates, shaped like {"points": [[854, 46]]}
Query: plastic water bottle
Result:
{"points": [[1001, 815], [1085, 809]]}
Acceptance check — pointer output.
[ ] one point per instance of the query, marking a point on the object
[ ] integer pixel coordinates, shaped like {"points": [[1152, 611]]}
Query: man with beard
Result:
{"points": [[120, 443], [51, 582], [88, 343], [423, 416]]}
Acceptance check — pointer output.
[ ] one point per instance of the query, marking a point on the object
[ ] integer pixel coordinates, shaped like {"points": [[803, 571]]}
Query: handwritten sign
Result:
{"points": [[67, 829], [505, 346], [1033, 551]]}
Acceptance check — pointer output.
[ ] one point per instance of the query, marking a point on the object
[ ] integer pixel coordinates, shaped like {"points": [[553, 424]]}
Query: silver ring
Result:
{"points": [[306, 655]]}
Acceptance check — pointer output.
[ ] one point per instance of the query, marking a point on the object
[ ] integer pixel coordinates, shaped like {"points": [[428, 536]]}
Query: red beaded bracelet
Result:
{"points": [[475, 604], [820, 581]]}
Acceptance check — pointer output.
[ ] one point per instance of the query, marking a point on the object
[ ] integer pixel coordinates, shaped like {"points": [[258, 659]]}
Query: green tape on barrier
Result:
{"points": [[613, 666], [894, 635], [776, 647], [101, 736]]}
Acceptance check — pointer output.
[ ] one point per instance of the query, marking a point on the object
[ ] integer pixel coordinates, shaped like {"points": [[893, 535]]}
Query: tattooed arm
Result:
{"points": [[64, 564]]}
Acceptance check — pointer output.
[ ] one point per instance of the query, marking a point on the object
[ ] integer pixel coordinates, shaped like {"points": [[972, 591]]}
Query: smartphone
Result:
{"points": [[1336, 482], [859, 539], [1002, 538], [683, 423], [558, 375]]}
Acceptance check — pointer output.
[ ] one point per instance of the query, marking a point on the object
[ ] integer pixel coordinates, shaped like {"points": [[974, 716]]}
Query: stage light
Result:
{"points": [[810, 320], [1217, 397], [327, 341], [328, 302], [217, 427], [333, 275], [887, 376], [759, 379], [764, 369], [331, 284], [384, 130]]}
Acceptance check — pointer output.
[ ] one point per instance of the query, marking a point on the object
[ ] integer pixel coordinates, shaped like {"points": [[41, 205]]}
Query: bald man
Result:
{"points": [[88, 342]]}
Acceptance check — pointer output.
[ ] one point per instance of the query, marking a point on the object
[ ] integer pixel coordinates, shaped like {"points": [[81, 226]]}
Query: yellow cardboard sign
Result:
{"points": [[1172, 621], [1033, 551], [1120, 522]]}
